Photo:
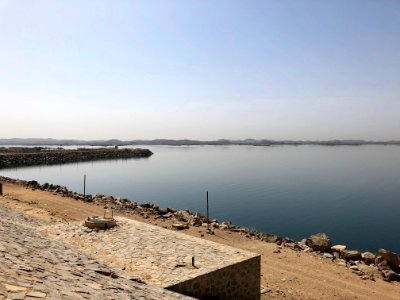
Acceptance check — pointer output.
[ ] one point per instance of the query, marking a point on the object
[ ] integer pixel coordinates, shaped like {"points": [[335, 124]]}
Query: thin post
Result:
{"points": [[208, 219], [1, 189], [84, 187]]}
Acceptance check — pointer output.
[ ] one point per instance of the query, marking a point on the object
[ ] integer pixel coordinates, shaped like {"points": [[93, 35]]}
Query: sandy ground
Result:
{"points": [[285, 275]]}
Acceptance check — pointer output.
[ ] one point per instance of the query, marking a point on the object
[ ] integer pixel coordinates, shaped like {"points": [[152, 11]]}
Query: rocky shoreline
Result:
{"points": [[22, 157], [367, 265]]}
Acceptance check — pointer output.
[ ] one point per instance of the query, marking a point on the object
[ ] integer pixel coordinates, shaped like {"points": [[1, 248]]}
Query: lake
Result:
{"points": [[352, 193]]}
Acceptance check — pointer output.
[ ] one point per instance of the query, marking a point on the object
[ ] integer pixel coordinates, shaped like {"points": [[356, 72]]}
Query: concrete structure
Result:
{"points": [[163, 258], [237, 281], [35, 266]]}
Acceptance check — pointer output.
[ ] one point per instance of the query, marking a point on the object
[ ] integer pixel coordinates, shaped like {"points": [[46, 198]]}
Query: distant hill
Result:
{"points": [[185, 142]]}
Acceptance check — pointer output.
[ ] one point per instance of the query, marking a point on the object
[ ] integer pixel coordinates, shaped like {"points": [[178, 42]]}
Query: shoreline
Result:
{"points": [[286, 273], [385, 262]]}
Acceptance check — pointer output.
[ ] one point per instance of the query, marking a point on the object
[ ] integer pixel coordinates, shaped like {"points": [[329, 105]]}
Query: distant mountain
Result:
{"points": [[185, 142]]}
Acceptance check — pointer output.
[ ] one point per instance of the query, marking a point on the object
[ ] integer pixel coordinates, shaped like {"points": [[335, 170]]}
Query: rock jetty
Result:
{"points": [[21, 157]]}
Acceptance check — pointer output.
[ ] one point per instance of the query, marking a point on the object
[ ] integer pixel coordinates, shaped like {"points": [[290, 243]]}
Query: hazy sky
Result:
{"points": [[200, 69]]}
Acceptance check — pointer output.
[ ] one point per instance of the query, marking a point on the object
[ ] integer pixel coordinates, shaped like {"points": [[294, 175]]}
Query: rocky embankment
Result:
{"points": [[367, 265], [22, 157]]}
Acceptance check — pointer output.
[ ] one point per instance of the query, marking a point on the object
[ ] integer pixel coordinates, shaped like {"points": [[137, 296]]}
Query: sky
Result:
{"points": [[299, 69]]}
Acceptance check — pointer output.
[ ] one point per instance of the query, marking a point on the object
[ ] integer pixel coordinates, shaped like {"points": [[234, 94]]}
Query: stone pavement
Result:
{"points": [[35, 266], [155, 255]]}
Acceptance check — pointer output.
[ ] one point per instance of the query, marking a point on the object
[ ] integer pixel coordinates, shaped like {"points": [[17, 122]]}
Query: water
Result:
{"points": [[351, 193]]}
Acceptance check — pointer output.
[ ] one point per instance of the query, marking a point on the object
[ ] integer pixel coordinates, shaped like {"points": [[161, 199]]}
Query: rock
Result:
{"points": [[271, 238], [350, 255], [338, 248], [180, 226], [265, 290], [328, 255], [16, 296], [378, 260], [383, 266], [303, 242], [167, 215], [293, 246], [36, 294], [368, 257], [215, 225], [341, 262], [392, 258], [182, 215], [319, 242], [196, 221], [14, 288], [389, 275], [223, 227]]}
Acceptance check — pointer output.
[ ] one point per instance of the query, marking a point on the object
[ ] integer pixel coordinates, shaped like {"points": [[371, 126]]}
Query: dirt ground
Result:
{"points": [[287, 274]]}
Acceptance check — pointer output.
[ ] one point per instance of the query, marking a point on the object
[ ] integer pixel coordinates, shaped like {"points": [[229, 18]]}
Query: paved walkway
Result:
{"points": [[156, 255], [34, 266]]}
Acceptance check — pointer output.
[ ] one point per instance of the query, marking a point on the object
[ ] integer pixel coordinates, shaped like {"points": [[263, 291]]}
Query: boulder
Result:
{"points": [[319, 242], [195, 221], [392, 258], [350, 255], [271, 238], [180, 226], [368, 257], [389, 275], [167, 215], [182, 215], [338, 248]]}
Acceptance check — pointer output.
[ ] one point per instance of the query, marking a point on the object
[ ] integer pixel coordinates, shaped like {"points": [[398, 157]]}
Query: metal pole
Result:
{"points": [[84, 187], [208, 219]]}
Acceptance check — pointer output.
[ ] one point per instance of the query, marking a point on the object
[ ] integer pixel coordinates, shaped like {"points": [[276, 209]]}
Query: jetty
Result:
{"points": [[22, 157]]}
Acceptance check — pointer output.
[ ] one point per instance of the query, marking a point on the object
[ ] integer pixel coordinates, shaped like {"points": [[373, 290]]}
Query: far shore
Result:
{"points": [[190, 142]]}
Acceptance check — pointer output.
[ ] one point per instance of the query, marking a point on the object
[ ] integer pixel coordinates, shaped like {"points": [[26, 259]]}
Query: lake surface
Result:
{"points": [[352, 193]]}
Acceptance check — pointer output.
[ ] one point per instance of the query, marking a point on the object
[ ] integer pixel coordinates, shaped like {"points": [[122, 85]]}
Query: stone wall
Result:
{"points": [[239, 281]]}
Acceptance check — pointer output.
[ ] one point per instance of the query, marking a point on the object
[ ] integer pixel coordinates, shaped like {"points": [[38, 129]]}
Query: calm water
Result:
{"points": [[351, 193]]}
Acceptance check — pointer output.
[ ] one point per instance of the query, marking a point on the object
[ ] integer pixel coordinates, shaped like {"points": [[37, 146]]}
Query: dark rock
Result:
{"points": [[351, 255], [392, 258], [319, 242], [368, 257], [271, 238], [389, 275]]}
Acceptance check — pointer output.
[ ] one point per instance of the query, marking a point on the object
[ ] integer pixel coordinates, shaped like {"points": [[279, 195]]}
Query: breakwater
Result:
{"points": [[22, 157]]}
